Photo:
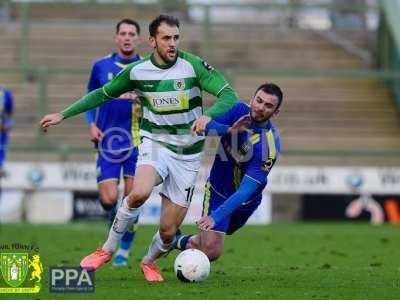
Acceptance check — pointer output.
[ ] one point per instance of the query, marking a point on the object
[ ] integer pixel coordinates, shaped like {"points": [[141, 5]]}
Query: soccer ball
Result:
{"points": [[192, 265]]}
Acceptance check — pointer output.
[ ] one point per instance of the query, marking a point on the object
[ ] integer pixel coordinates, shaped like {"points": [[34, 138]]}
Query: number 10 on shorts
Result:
{"points": [[189, 194]]}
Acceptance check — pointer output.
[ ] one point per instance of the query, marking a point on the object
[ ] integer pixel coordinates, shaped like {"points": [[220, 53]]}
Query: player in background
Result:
{"points": [[114, 129], [170, 84], [248, 149], [6, 123]]}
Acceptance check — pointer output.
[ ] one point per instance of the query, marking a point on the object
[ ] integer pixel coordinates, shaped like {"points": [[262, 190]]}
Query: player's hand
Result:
{"points": [[132, 96], [95, 133], [241, 125], [206, 223], [50, 120], [199, 125]]}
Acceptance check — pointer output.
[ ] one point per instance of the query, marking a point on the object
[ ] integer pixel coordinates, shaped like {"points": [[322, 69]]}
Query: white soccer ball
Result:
{"points": [[192, 265]]}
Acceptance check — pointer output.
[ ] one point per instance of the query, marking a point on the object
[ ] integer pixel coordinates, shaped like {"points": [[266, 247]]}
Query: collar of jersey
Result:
{"points": [[255, 128], [165, 66], [124, 60]]}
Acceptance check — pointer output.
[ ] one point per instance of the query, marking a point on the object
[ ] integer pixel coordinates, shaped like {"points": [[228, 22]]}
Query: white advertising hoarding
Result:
{"points": [[290, 179], [41, 177]]}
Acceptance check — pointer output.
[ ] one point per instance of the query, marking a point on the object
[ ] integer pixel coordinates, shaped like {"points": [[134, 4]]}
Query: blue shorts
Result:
{"points": [[109, 166], [213, 200]]}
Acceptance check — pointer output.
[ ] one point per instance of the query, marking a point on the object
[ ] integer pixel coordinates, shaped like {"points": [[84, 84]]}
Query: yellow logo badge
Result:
{"points": [[21, 272]]}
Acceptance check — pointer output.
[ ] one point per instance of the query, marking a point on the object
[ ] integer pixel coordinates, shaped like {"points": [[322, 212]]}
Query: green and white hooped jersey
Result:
{"points": [[171, 97]]}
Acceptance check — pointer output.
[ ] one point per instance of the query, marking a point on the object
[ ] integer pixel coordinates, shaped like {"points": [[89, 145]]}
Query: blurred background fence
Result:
{"points": [[337, 61]]}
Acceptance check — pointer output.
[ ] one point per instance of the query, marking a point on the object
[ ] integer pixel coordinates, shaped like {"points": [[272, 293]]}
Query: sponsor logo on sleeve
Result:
{"points": [[207, 66]]}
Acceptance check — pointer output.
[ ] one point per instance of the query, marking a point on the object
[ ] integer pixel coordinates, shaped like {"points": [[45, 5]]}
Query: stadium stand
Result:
{"points": [[326, 117]]}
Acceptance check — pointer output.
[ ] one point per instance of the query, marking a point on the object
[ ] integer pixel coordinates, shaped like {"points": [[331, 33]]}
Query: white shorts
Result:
{"points": [[178, 172]]}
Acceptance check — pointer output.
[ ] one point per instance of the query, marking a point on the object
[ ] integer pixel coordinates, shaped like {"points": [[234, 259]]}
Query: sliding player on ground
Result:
{"points": [[248, 149]]}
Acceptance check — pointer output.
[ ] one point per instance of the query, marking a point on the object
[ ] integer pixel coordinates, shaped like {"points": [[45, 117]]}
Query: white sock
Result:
{"points": [[124, 219], [122, 252], [131, 228], [156, 249]]}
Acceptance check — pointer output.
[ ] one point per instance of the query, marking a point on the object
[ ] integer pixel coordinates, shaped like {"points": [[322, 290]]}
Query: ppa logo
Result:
{"points": [[71, 280]]}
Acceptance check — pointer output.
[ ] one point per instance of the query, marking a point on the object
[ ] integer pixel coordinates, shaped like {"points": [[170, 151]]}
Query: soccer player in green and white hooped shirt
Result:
{"points": [[170, 84]]}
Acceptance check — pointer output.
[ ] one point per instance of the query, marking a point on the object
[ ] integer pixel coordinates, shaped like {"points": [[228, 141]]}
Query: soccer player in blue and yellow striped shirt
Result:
{"points": [[249, 147]]}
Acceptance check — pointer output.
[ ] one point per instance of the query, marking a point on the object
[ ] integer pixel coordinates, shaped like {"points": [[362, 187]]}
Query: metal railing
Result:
{"points": [[208, 19], [388, 57], [42, 74], [389, 43]]}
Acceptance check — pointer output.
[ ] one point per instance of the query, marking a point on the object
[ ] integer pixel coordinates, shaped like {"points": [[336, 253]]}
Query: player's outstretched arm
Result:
{"points": [[226, 99], [247, 188], [213, 82], [50, 120], [212, 127], [87, 102], [119, 85], [241, 125]]}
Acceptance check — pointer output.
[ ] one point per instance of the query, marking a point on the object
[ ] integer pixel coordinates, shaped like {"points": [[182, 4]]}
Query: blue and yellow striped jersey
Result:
{"points": [[250, 154], [117, 118]]}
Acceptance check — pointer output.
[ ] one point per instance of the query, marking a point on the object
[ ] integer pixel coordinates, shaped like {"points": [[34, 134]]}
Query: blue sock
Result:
{"points": [[127, 240], [182, 242]]}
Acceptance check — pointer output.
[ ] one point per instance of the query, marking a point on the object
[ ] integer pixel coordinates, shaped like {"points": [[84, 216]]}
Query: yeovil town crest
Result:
{"points": [[14, 270], [179, 84]]}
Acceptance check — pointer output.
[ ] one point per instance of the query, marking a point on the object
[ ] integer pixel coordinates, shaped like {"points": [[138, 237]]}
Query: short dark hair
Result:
{"points": [[170, 20], [271, 89], [129, 22]]}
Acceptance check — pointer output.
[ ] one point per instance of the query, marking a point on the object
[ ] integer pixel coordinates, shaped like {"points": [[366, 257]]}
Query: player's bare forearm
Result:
{"points": [[51, 120]]}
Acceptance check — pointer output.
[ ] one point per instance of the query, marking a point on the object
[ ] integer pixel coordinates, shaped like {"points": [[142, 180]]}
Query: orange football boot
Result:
{"points": [[151, 272], [95, 260]]}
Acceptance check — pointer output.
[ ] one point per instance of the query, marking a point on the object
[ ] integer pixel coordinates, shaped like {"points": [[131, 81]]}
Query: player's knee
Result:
{"points": [[167, 233], [137, 197], [108, 198]]}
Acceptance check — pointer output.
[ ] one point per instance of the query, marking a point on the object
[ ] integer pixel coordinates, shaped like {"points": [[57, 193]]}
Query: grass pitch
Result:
{"points": [[280, 261]]}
